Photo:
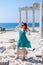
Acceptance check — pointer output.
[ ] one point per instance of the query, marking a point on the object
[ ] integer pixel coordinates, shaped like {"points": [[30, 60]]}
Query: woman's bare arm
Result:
{"points": [[18, 27], [28, 30]]}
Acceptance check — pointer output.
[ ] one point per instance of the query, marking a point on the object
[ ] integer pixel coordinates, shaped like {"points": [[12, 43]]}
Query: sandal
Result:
{"points": [[16, 58], [23, 59]]}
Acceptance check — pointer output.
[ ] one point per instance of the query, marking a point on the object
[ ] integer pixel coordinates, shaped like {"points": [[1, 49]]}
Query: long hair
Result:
{"points": [[25, 24]]}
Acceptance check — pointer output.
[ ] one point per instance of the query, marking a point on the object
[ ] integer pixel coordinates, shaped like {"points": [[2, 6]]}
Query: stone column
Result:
{"points": [[41, 27], [33, 20], [19, 16], [41, 20], [26, 16]]}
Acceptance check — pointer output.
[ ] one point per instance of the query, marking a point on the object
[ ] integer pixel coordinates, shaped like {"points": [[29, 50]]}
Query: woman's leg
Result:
{"points": [[24, 52], [18, 52]]}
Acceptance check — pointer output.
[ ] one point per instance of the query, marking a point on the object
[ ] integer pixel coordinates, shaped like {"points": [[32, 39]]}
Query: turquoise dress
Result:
{"points": [[23, 41]]}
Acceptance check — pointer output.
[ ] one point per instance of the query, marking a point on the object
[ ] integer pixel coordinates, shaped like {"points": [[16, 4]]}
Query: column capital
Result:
{"points": [[20, 9], [26, 8]]}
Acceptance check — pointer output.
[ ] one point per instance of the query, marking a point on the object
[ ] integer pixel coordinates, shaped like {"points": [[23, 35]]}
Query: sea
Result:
{"points": [[13, 25]]}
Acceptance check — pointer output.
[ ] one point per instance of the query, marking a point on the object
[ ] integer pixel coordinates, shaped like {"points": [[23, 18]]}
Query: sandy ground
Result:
{"points": [[10, 48]]}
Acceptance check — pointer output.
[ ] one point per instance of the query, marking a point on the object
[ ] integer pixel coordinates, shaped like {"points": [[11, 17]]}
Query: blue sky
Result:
{"points": [[9, 10]]}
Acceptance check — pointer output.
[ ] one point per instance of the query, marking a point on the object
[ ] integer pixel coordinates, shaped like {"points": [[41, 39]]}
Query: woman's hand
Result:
{"points": [[28, 32], [18, 27]]}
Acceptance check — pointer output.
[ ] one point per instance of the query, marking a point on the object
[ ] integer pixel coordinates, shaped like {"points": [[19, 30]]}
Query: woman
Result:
{"points": [[23, 42]]}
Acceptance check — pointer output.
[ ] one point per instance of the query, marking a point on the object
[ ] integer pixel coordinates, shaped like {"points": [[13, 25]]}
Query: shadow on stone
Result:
{"points": [[32, 60]]}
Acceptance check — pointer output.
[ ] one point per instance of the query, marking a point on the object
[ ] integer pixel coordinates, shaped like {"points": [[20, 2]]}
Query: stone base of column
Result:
{"points": [[4, 63], [41, 48], [42, 57], [42, 35], [33, 30]]}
